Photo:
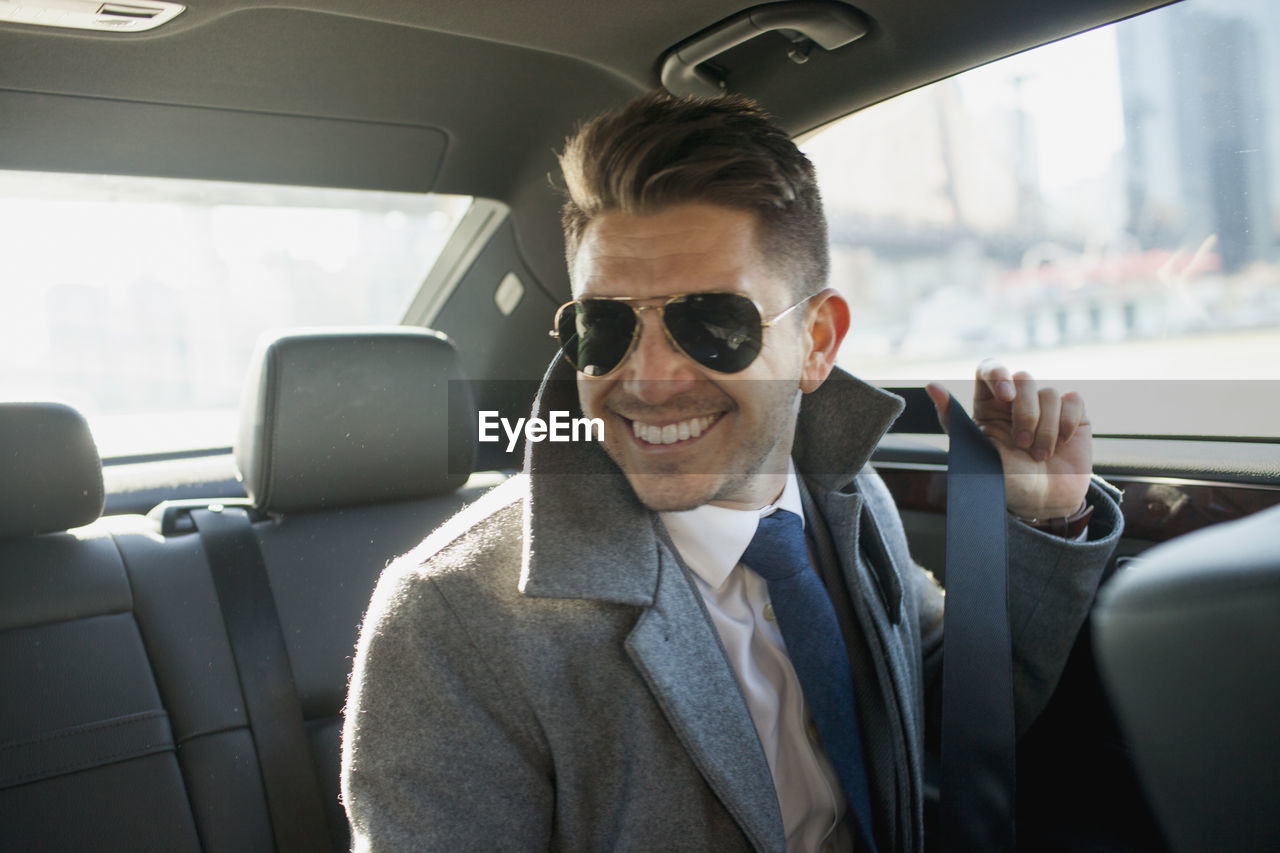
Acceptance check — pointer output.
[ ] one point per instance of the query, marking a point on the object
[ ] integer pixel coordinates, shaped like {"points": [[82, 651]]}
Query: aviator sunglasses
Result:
{"points": [[721, 331]]}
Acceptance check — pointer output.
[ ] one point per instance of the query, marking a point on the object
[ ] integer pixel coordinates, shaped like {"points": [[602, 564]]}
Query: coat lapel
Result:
{"points": [[676, 649], [839, 426], [878, 615], [588, 537]]}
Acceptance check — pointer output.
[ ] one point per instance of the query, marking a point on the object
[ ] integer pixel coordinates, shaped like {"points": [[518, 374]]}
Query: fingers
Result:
{"points": [[993, 382], [1073, 416], [1025, 416], [1048, 427], [1014, 409], [1042, 419]]}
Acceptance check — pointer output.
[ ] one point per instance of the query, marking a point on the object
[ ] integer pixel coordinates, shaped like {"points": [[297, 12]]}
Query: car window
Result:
{"points": [[1103, 211], [139, 300]]}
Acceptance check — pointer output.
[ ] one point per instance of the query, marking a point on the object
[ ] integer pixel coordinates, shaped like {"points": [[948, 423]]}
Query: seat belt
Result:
{"points": [[978, 728], [266, 679]]}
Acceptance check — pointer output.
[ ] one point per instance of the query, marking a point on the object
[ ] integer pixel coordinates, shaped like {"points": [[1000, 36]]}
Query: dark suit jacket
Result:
{"points": [[541, 672]]}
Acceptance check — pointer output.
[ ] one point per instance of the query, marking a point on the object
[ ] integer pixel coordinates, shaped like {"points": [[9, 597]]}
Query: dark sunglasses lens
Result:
{"points": [[721, 331], [596, 334]]}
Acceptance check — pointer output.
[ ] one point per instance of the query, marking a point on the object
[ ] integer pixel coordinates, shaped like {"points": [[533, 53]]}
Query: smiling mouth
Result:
{"points": [[673, 433]]}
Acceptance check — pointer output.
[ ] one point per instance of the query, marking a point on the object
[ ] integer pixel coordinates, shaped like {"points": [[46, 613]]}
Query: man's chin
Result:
{"points": [[675, 492]]}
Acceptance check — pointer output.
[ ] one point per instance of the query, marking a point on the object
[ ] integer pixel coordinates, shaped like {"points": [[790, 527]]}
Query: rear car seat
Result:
{"points": [[350, 453], [88, 759]]}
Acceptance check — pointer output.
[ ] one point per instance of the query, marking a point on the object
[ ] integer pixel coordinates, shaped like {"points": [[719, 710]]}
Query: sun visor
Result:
{"points": [[45, 133]]}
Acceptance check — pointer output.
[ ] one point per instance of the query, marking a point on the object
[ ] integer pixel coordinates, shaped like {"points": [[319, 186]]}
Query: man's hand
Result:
{"points": [[1044, 438]]}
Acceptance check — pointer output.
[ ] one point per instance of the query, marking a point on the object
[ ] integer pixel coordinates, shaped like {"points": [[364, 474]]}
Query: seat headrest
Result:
{"points": [[1186, 639], [50, 473], [343, 417]]}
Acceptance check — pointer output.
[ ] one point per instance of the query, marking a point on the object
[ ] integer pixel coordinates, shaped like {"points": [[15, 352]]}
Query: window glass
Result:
{"points": [[139, 300], [1103, 211]]}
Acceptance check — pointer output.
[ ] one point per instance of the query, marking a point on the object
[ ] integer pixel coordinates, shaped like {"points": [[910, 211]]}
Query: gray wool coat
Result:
{"points": [[541, 672]]}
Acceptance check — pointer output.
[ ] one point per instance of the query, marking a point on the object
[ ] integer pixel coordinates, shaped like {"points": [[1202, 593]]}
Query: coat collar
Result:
{"points": [[579, 499]]}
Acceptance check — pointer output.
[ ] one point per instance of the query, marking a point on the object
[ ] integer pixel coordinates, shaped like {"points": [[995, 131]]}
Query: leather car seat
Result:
{"points": [[1188, 642], [87, 754]]}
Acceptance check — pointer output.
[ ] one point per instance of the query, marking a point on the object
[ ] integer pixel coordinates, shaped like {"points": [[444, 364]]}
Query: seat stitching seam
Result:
{"points": [[73, 731]]}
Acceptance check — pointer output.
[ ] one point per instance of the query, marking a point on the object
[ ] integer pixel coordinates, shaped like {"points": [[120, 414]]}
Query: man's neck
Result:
{"points": [[765, 489]]}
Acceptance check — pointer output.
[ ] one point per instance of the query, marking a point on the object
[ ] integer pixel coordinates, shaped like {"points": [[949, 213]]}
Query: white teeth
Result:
{"points": [[671, 433]]}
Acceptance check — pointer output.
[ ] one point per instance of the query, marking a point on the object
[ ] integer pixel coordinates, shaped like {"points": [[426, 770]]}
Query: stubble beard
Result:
{"points": [[674, 488]]}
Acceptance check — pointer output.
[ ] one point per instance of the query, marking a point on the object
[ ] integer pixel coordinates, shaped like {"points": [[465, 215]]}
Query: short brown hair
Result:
{"points": [[660, 150]]}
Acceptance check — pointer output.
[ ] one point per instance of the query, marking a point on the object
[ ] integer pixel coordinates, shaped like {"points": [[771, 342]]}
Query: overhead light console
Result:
{"points": [[129, 17]]}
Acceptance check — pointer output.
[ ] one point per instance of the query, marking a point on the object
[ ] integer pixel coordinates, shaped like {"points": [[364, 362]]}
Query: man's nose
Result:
{"points": [[656, 370]]}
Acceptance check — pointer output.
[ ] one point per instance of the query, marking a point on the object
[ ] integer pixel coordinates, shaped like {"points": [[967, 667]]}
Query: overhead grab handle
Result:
{"points": [[826, 23]]}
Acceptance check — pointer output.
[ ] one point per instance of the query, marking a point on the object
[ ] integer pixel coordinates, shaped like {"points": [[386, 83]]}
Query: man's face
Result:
{"points": [[746, 420]]}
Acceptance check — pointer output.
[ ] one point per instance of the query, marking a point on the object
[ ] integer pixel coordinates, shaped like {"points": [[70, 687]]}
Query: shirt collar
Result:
{"points": [[712, 539]]}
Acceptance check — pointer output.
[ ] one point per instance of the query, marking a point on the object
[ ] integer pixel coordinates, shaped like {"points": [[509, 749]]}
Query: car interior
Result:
{"points": [[134, 715]]}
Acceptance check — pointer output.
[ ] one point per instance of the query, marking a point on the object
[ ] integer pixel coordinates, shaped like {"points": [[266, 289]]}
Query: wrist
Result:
{"points": [[1068, 526]]}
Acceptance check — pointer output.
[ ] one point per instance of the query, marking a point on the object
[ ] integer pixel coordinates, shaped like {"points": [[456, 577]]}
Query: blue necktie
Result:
{"points": [[809, 628]]}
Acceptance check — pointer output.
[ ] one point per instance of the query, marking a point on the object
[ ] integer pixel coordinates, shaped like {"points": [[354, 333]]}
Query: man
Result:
{"points": [[591, 657]]}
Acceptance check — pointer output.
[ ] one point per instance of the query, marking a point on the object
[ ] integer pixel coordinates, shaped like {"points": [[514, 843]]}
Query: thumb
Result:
{"points": [[941, 398]]}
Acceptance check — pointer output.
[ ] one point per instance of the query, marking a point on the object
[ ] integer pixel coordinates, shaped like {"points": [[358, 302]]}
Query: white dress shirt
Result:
{"points": [[712, 540]]}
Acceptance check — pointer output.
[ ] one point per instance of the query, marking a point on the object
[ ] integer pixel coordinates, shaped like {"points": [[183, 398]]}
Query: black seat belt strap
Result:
{"points": [[978, 728], [266, 679]]}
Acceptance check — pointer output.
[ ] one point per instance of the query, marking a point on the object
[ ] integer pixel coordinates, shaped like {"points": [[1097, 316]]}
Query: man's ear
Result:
{"points": [[827, 322]]}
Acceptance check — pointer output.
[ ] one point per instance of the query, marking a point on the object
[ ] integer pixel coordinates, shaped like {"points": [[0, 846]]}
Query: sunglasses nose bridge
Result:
{"points": [[647, 326], [655, 363]]}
